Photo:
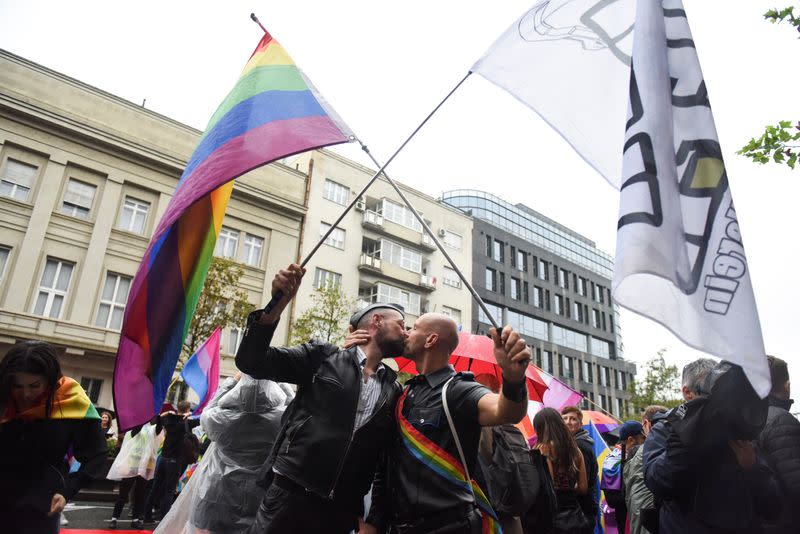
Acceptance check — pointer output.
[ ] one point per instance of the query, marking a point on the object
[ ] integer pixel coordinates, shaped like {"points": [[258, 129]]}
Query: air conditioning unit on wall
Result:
{"points": [[361, 205], [442, 232]]}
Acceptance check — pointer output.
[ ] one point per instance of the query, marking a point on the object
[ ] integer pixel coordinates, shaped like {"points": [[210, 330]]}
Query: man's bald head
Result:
{"points": [[444, 327]]}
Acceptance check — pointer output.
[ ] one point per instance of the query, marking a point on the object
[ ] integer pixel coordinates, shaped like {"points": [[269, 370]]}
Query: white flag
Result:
{"points": [[680, 259], [569, 60]]}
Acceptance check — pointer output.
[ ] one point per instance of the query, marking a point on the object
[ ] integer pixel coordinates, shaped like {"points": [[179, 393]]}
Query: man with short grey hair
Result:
{"points": [[694, 378]]}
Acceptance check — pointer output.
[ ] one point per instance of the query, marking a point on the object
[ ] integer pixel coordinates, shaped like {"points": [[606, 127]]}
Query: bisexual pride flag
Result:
{"points": [[201, 372], [272, 112]]}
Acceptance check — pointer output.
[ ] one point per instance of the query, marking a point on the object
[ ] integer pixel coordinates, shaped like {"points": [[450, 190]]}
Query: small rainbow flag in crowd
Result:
{"points": [[272, 112], [201, 371]]}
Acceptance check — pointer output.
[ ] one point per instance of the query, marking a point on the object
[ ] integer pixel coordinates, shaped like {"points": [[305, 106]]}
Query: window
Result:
{"points": [[516, 289], [558, 302], [233, 341], [406, 258], [17, 180], [498, 251], [617, 379], [538, 297], [527, 325], [400, 214], [521, 261], [502, 283], [408, 300], [452, 240], [324, 277], [112, 301], [251, 254], [580, 287], [488, 246], [624, 381], [598, 293], [450, 277], [226, 243], [4, 254], [620, 407], [453, 313], [569, 338], [336, 239], [491, 279], [525, 292], [53, 288], [563, 279], [595, 318], [584, 400], [603, 375], [586, 372], [542, 270], [133, 216], [547, 361], [600, 347], [92, 388], [567, 369], [78, 199], [336, 192], [496, 311], [577, 311]]}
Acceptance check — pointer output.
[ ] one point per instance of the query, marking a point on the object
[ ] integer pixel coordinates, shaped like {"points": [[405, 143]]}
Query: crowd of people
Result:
{"points": [[347, 449]]}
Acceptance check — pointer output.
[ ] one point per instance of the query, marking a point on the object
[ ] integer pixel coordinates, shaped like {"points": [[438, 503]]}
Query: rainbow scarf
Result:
{"points": [[445, 465], [69, 402], [273, 111]]}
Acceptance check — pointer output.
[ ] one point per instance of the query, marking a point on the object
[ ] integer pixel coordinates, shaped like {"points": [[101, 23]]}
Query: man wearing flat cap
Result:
{"points": [[340, 423]]}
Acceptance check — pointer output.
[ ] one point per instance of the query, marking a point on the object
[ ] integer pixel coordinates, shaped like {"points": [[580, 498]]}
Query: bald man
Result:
{"points": [[420, 498]]}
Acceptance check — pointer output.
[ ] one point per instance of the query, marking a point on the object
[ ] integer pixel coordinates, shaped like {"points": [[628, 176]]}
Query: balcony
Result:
{"points": [[372, 219], [369, 263], [427, 243], [427, 282]]}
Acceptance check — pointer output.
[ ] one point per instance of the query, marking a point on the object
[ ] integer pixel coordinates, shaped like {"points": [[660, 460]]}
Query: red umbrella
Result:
{"points": [[475, 353]]}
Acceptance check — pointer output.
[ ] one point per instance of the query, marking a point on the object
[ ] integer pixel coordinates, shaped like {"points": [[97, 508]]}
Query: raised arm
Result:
{"points": [[511, 404], [257, 358]]}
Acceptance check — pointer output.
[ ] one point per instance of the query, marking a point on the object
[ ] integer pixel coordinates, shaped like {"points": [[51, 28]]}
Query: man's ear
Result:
{"points": [[431, 340]]}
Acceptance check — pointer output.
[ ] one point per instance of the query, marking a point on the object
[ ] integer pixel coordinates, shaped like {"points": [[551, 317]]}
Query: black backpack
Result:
{"points": [[511, 478], [190, 446]]}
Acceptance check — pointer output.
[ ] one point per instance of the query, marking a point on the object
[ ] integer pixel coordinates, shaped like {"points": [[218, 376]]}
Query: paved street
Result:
{"points": [[93, 517]]}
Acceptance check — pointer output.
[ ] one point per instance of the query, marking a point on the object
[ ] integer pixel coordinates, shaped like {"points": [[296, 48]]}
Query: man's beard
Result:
{"points": [[390, 348]]}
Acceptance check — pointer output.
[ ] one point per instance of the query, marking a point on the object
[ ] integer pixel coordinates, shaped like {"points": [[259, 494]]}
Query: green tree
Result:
{"points": [[326, 319], [779, 143], [660, 385], [222, 303]]}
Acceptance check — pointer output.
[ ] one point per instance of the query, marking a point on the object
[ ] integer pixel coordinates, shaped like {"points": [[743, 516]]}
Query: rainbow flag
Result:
{"points": [[69, 402], [272, 112], [201, 371]]}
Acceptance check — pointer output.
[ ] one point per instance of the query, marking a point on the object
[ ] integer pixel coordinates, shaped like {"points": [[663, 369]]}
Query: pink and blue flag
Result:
{"points": [[272, 112], [201, 371]]}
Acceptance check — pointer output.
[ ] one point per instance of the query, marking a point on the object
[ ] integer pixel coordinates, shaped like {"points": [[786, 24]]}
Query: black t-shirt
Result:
{"points": [[175, 427], [417, 490]]}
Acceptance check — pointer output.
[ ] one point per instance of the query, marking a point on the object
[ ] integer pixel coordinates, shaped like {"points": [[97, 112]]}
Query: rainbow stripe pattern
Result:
{"points": [[69, 402], [272, 112], [444, 464], [201, 372]]}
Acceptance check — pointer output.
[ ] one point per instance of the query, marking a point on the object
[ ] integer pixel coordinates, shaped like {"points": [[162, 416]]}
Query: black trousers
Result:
{"points": [[168, 471], [470, 523], [139, 487], [293, 510]]}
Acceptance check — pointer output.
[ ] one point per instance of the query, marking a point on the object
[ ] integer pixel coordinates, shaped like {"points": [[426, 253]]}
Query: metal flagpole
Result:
{"points": [[430, 233]]}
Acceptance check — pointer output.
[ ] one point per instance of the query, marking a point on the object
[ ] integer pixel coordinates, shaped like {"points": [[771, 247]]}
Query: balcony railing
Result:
{"points": [[372, 218], [427, 242], [369, 262]]}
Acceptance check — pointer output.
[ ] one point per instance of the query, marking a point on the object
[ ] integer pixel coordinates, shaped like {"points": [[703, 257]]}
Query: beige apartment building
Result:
{"points": [[380, 252], [84, 178]]}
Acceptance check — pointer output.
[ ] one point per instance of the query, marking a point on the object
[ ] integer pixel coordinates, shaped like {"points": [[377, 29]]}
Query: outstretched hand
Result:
{"points": [[511, 353]]}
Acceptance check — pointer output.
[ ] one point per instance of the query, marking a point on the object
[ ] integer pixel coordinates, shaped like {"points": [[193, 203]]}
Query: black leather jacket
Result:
{"points": [[317, 447]]}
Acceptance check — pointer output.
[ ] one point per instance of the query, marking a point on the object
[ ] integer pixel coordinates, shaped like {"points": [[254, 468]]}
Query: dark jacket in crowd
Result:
{"points": [[33, 463], [702, 494], [317, 447], [589, 503], [176, 427], [780, 444]]}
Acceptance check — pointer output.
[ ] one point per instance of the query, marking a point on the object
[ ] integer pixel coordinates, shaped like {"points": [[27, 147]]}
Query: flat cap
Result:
{"points": [[357, 316]]}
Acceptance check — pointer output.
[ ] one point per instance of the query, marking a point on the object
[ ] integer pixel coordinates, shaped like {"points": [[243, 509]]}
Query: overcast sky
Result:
{"points": [[384, 65]]}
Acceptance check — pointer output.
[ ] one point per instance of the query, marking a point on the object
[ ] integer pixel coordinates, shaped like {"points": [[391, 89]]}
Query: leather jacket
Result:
{"points": [[317, 447]]}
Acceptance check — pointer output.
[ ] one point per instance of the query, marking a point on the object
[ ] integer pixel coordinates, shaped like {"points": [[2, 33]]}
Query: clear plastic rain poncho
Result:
{"points": [[137, 456], [222, 496]]}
